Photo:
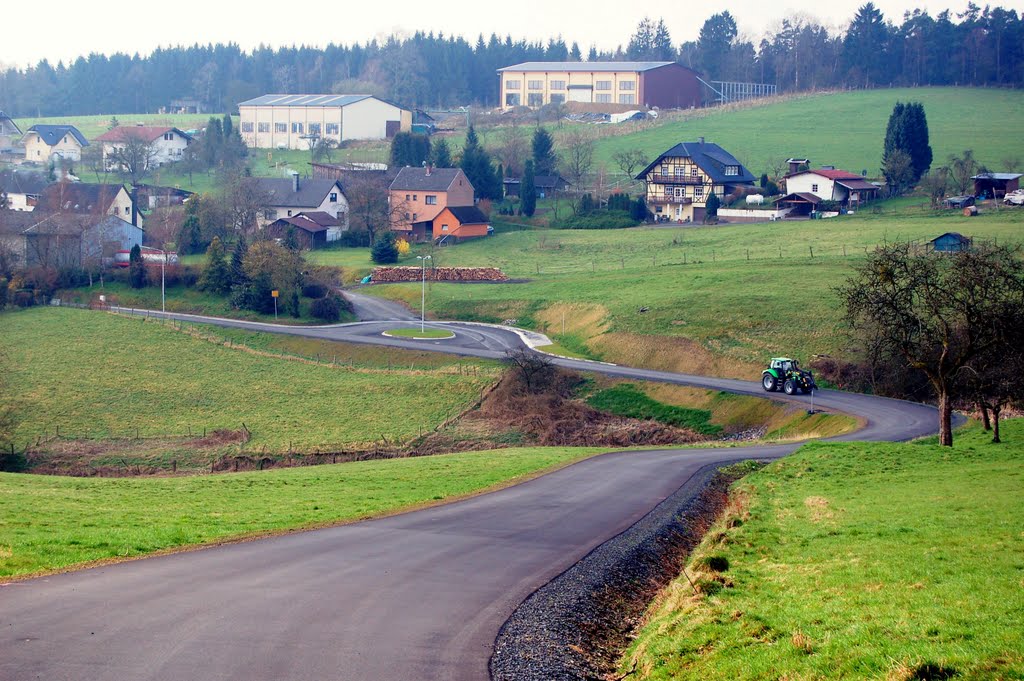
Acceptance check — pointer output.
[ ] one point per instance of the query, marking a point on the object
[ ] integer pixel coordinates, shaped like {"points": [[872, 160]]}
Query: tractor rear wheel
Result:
{"points": [[789, 387], [770, 383]]}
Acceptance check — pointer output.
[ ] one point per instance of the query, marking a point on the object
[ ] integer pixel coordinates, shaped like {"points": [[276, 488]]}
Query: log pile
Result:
{"points": [[384, 275]]}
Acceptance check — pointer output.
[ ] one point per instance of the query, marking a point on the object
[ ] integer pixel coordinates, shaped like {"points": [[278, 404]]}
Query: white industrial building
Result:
{"points": [[298, 121]]}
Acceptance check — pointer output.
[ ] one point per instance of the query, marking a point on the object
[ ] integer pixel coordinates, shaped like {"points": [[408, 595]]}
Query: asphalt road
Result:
{"points": [[416, 596]]}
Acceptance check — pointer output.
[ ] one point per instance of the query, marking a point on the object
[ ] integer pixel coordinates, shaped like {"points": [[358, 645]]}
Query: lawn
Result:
{"points": [[896, 561], [845, 129], [738, 293], [99, 375], [49, 522], [94, 126]]}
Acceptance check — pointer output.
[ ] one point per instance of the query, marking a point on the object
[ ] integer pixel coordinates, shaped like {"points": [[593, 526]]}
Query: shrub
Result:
{"points": [[714, 563], [328, 308], [314, 289], [612, 219]]}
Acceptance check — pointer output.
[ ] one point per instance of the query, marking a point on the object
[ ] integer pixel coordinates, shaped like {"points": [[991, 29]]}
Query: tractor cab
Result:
{"points": [[783, 364], [785, 374]]}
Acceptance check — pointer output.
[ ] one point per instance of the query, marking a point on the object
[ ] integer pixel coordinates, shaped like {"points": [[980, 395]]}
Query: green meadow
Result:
{"points": [[842, 561]]}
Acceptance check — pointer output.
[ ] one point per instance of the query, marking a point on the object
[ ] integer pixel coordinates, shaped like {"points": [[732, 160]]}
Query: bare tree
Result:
{"points": [[936, 183], [938, 311], [368, 203], [92, 158], [245, 203], [533, 368], [578, 157], [513, 149], [132, 156], [961, 169], [629, 161]]}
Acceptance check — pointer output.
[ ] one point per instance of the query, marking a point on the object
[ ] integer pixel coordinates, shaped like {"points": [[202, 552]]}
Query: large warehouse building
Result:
{"points": [[663, 84], [294, 121]]}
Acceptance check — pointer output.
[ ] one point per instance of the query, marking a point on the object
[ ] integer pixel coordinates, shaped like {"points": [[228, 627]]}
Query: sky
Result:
{"points": [[107, 27]]}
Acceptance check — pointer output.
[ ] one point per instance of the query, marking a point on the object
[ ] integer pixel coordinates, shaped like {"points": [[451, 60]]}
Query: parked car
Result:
{"points": [[1014, 198]]}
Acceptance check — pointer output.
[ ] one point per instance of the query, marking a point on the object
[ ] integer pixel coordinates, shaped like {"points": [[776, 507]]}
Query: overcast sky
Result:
{"points": [[69, 29]]}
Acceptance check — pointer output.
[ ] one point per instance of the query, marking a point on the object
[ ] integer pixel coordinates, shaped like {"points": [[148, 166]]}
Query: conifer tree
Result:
{"points": [[216, 276], [440, 154], [528, 191], [136, 268], [544, 159]]}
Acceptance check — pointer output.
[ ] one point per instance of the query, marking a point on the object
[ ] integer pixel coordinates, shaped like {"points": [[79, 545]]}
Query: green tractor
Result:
{"points": [[785, 374]]}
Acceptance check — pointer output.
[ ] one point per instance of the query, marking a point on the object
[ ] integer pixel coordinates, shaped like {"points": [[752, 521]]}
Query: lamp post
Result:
{"points": [[163, 280], [423, 288]]}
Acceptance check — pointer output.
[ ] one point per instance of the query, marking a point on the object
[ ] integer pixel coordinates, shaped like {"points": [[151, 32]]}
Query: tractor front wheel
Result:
{"points": [[770, 383], [789, 387]]}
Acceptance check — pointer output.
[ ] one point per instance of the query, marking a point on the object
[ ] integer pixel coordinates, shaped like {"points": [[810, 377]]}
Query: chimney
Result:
{"points": [[701, 139], [428, 169], [295, 182]]}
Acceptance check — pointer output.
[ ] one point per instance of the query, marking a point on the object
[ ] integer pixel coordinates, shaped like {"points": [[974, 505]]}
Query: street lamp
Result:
{"points": [[423, 288], [163, 280]]}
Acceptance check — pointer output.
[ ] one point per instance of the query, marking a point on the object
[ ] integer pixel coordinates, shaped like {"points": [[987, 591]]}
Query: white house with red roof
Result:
{"points": [[829, 184], [167, 144]]}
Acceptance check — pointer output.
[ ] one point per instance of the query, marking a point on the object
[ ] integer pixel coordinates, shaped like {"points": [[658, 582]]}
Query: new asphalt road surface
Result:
{"points": [[411, 597]]}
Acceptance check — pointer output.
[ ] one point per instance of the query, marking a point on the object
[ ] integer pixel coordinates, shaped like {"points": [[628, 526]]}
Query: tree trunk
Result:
{"points": [[945, 420], [995, 420], [984, 416]]}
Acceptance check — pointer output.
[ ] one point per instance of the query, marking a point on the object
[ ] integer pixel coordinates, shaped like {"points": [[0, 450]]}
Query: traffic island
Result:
{"points": [[418, 334]]}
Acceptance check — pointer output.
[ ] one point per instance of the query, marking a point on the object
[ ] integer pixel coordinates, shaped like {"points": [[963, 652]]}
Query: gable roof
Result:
{"points": [[954, 236], [997, 176], [587, 66], [710, 157], [322, 218], [306, 100], [7, 125], [53, 134], [311, 194], [417, 179], [15, 182], [46, 223], [146, 133], [78, 197], [301, 222], [830, 173], [467, 215]]}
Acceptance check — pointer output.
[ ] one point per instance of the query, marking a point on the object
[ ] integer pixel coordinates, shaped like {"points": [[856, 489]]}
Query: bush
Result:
{"points": [[314, 289], [612, 219], [351, 239], [714, 563], [330, 308], [385, 252]]}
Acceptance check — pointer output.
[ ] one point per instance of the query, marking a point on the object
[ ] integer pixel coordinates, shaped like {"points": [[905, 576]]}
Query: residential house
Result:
{"points": [[9, 132], [680, 180], [663, 84], [165, 145], [455, 223], [298, 121], [546, 185], [89, 198], [951, 242], [38, 239], [22, 188], [806, 189], [43, 142], [285, 198], [418, 195], [311, 229]]}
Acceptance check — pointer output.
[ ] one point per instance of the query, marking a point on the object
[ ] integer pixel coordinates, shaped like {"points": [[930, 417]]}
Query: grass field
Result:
{"points": [[100, 375], [94, 126], [897, 561], [845, 129], [48, 522], [740, 293]]}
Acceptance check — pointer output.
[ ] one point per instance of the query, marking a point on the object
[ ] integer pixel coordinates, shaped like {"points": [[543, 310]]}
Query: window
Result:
{"points": [[444, 228], [814, 188], [296, 128], [281, 127], [168, 136], [289, 213], [603, 99], [732, 171], [127, 210], [511, 84], [557, 85], [314, 128], [535, 99], [558, 99], [664, 171], [408, 197], [414, 217], [263, 127], [407, 216], [679, 192], [512, 99], [332, 128], [415, 197], [334, 197], [694, 172], [535, 84], [698, 191], [431, 200], [246, 126], [627, 99], [603, 85], [627, 85]]}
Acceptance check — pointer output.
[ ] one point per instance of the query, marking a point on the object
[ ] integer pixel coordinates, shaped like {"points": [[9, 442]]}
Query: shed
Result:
{"points": [[801, 203], [996, 185], [460, 222], [951, 242], [311, 228]]}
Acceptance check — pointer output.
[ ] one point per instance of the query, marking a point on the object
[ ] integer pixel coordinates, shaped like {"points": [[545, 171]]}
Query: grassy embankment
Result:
{"points": [[97, 375], [899, 561], [48, 522], [716, 300]]}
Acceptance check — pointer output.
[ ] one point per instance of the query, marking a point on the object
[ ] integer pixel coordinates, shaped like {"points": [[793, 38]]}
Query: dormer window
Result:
{"points": [[732, 171]]}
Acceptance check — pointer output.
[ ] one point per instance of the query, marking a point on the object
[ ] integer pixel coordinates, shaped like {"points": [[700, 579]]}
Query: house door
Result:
{"points": [[392, 128], [580, 94]]}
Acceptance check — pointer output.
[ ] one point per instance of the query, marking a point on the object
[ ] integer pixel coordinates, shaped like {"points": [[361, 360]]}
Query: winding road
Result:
{"points": [[411, 597]]}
